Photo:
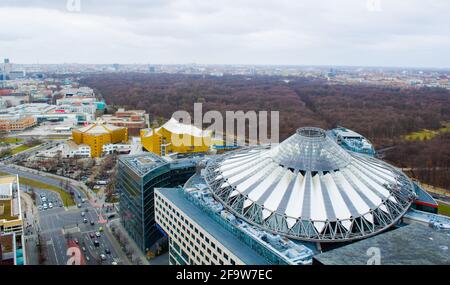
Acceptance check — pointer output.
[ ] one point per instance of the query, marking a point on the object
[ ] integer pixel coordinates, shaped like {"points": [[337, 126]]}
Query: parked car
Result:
{"points": [[96, 243], [97, 234], [92, 235], [107, 251], [85, 221]]}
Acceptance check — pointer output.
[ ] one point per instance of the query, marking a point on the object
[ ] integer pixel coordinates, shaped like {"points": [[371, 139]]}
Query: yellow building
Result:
{"points": [[99, 134], [11, 229], [175, 137]]}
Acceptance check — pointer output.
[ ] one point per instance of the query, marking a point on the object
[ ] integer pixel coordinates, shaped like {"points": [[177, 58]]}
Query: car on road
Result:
{"points": [[96, 243], [107, 251], [102, 256], [85, 221], [97, 234]]}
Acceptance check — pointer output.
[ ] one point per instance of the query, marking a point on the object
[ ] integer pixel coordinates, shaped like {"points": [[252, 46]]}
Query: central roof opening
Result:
{"points": [[310, 149], [311, 132]]}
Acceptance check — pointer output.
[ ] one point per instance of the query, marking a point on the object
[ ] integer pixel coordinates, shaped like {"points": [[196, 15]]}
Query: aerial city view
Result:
{"points": [[204, 133]]}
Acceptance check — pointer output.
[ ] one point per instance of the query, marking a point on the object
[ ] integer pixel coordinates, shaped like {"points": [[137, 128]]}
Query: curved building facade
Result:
{"points": [[309, 188]]}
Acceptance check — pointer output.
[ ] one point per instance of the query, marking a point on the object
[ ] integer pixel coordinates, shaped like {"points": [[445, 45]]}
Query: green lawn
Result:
{"points": [[65, 196], [427, 134], [444, 209], [11, 140], [21, 148]]}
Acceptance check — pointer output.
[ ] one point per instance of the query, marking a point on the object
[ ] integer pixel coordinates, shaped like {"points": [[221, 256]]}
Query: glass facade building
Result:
{"points": [[137, 177]]}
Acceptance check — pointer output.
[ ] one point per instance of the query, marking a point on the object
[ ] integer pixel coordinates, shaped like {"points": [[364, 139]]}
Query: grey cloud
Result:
{"points": [[341, 32]]}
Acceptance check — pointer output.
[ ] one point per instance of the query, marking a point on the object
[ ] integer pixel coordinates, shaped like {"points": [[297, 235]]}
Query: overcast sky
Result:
{"points": [[299, 32]]}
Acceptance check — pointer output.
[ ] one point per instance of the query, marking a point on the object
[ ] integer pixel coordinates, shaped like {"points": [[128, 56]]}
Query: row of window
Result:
{"points": [[199, 245]]}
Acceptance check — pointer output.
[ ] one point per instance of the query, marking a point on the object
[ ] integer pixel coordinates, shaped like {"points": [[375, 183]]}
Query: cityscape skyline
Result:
{"points": [[379, 33]]}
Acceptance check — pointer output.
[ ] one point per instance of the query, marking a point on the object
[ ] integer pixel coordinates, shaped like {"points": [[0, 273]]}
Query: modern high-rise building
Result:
{"points": [[138, 175], [12, 247], [285, 204]]}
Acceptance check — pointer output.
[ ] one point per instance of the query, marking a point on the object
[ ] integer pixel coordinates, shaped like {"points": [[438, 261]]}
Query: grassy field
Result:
{"points": [[427, 134], [65, 196], [444, 209], [21, 148], [11, 140]]}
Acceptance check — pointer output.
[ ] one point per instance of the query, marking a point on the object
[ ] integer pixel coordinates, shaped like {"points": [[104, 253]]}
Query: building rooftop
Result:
{"points": [[98, 128], [276, 248], [408, 245], [310, 188], [240, 249], [179, 128], [9, 198], [352, 141], [141, 164]]}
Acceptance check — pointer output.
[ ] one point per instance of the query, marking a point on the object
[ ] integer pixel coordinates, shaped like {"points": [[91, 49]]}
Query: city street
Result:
{"points": [[60, 228]]}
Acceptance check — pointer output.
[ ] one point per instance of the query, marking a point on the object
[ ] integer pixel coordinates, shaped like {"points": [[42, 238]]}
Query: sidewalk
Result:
{"points": [[130, 241]]}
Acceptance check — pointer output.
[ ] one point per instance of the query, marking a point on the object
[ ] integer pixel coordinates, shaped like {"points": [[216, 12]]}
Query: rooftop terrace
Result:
{"points": [[409, 245], [141, 164]]}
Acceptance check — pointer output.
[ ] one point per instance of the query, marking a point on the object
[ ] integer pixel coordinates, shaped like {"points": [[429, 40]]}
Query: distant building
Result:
{"points": [[175, 137], [12, 244], [352, 141], [9, 123], [11, 98], [133, 120], [137, 177], [99, 134]]}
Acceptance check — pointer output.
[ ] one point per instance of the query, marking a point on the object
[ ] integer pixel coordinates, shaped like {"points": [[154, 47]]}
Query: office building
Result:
{"points": [[11, 229], [9, 123], [133, 120], [138, 175]]}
